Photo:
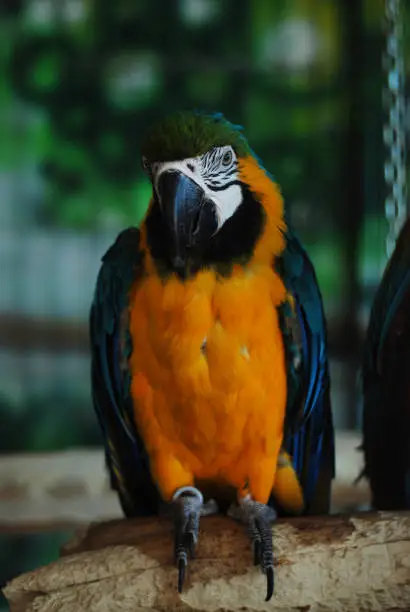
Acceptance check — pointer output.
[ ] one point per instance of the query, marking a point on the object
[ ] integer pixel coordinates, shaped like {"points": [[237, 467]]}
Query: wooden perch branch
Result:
{"points": [[357, 563]]}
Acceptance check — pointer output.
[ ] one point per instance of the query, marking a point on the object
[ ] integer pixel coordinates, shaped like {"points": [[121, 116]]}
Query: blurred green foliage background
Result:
{"points": [[80, 80]]}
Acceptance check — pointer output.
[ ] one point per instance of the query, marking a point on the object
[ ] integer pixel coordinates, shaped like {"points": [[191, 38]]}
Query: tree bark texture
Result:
{"points": [[331, 564]]}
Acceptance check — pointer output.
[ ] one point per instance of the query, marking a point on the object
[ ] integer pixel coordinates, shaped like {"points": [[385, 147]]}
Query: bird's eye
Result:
{"points": [[227, 158]]}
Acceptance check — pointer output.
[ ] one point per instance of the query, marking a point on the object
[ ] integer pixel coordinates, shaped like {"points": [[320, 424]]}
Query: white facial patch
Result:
{"points": [[216, 172]]}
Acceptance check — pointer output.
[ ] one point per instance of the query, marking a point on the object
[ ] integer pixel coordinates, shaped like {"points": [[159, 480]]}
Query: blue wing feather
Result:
{"points": [[309, 428], [400, 288], [110, 347]]}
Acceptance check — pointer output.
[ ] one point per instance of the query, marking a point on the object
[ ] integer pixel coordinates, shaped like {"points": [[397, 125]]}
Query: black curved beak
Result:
{"points": [[190, 216]]}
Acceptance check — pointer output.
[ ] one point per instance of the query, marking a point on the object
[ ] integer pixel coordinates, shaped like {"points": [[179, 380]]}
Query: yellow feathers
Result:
{"points": [[286, 488], [267, 192], [204, 377]]}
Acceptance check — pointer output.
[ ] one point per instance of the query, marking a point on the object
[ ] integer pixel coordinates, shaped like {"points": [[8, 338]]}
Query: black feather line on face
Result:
{"points": [[213, 187], [233, 244]]}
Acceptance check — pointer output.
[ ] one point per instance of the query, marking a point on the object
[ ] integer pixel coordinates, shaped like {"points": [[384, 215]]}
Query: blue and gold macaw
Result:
{"points": [[209, 357]]}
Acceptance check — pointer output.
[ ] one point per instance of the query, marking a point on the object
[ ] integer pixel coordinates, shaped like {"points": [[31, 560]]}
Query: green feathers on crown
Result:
{"points": [[189, 134]]}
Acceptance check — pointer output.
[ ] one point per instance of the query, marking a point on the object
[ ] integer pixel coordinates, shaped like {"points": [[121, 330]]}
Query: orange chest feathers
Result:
{"points": [[208, 372]]}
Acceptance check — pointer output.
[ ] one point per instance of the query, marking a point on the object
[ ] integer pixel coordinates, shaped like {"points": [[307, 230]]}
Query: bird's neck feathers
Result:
{"points": [[271, 242]]}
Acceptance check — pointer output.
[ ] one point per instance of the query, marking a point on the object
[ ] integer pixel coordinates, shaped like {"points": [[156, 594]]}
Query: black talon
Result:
{"points": [[270, 581], [181, 574], [267, 555]]}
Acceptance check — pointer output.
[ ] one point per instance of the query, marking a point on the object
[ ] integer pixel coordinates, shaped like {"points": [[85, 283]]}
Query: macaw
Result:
{"points": [[386, 391], [210, 372]]}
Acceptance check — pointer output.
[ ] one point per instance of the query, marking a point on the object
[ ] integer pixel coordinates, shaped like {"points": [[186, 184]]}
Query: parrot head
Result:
{"points": [[212, 201]]}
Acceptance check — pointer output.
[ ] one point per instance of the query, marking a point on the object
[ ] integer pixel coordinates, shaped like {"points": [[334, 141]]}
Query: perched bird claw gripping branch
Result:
{"points": [[258, 518], [209, 362], [188, 502]]}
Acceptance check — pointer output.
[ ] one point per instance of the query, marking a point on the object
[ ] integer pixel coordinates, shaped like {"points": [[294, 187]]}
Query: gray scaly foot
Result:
{"points": [[258, 518], [187, 503]]}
